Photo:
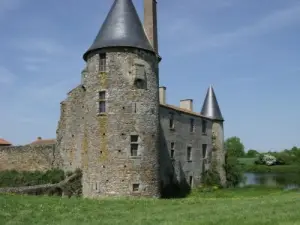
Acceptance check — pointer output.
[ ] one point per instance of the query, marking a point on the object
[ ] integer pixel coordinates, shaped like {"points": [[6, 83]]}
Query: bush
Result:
{"points": [[13, 178], [211, 178], [234, 171]]}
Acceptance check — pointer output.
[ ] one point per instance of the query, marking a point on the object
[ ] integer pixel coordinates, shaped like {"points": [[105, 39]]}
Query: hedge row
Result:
{"points": [[13, 178]]}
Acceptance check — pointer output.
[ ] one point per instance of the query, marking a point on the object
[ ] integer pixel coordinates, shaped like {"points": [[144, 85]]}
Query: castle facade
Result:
{"points": [[117, 126]]}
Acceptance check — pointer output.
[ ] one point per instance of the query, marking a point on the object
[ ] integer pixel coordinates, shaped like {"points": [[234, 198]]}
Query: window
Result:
{"points": [[134, 138], [189, 153], [192, 125], [102, 66], [204, 147], [139, 83], [140, 79], [191, 181], [171, 121], [172, 150], [134, 146], [135, 187], [204, 126], [102, 102]]}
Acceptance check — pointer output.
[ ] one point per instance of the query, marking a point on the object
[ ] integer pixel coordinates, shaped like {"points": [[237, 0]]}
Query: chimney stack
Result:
{"points": [[162, 95], [187, 104], [150, 22]]}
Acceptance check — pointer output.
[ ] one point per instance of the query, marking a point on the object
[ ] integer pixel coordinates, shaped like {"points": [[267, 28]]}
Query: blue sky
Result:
{"points": [[247, 49]]}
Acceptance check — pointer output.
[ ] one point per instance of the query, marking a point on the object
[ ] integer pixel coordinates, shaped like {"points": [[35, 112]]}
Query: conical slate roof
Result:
{"points": [[210, 106], [121, 28]]}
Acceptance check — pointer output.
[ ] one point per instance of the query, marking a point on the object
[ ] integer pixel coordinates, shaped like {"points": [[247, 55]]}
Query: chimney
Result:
{"points": [[162, 95], [150, 22], [187, 104]]}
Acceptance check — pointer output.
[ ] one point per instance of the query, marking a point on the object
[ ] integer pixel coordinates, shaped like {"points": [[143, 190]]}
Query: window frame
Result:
{"points": [[102, 109], [134, 146], [102, 62]]}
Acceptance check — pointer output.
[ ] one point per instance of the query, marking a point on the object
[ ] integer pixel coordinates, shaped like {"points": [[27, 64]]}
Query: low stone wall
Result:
{"points": [[29, 157]]}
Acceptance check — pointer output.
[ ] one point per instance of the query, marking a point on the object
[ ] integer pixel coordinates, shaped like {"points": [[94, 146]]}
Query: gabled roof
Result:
{"points": [[4, 142], [121, 28], [210, 106], [178, 109]]}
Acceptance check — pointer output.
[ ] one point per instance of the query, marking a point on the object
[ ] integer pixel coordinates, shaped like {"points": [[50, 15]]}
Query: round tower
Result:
{"points": [[212, 110], [121, 122]]}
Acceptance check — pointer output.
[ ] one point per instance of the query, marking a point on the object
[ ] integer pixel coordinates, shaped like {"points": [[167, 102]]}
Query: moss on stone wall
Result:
{"points": [[103, 138]]}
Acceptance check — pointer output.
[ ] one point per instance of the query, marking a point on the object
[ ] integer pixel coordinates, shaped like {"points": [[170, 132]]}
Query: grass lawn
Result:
{"points": [[224, 207], [247, 161]]}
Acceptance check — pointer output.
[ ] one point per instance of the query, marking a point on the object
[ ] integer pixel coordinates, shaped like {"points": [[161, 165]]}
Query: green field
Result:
{"points": [[248, 165], [225, 207]]}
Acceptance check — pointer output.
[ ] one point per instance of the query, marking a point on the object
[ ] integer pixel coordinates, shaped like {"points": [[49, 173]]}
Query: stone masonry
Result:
{"points": [[29, 157]]}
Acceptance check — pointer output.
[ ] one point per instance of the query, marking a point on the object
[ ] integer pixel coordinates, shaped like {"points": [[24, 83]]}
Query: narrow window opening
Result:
{"points": [[102, 66], [172, 150], [102, 101], [134, 149], [204, 147], [134, 138], [189, 153], [139, 83], [192, 125], [171, 121], [134, 107], [134, 146], [96, 186], [135, 187], [139, 80], [204, 126]]}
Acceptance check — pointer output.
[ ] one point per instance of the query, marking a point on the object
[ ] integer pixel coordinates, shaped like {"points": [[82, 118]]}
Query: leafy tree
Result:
{"points": [[234, 147], [252, 153]]}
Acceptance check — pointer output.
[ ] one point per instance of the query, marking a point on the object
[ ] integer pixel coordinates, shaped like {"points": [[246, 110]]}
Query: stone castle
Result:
{"points": [[117, 127]]}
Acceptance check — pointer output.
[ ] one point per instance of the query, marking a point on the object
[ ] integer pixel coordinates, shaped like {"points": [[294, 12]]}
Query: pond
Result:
{"points": [[285, 180]]}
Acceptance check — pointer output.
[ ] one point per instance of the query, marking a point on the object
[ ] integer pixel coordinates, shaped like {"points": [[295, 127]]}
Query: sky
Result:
{"points": [[247, 49]]}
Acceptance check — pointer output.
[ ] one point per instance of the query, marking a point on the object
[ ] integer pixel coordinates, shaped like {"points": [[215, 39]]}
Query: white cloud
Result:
{"points": [[6, 76], [32, 68], [197, 39], [33, 64], [8, 5], [40, 45], [35, 60]]}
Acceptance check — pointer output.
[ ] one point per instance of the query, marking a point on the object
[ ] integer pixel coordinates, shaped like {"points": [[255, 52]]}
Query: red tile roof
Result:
{"points": [[41, 141], [4, 142]]}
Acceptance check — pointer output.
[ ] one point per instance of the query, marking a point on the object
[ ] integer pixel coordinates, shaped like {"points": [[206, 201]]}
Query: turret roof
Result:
{"points": [[121, 28], [210, 106]]}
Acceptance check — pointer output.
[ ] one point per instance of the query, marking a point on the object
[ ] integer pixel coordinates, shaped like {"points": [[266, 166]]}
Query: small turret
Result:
{"points": [[212, 110]]}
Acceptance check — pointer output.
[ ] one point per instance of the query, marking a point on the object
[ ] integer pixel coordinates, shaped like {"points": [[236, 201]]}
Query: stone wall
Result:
{"points": [[178, 169], [29, 157], [70, 129]]}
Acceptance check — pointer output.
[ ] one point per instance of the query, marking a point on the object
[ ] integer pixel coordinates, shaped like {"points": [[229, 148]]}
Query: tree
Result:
{"points": [[234, 147], [252, 153]]}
